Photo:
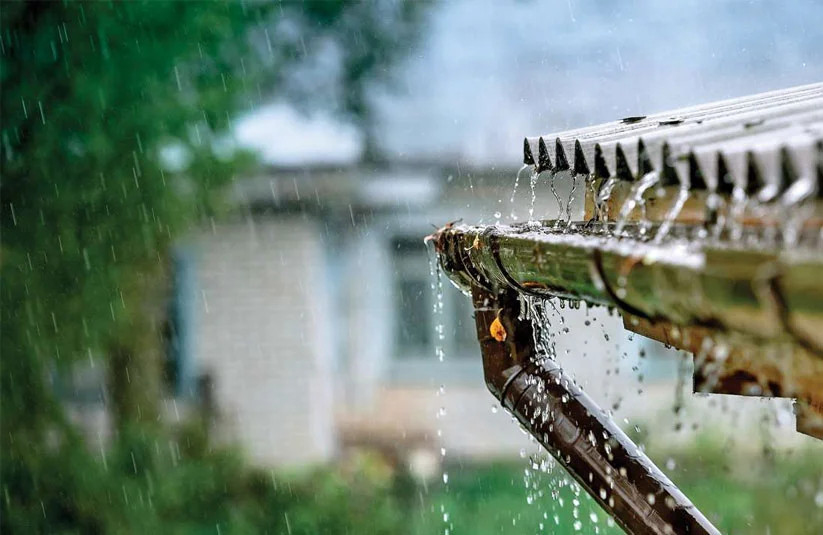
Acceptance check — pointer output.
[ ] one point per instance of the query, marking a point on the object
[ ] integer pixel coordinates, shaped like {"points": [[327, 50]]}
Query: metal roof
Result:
{"points": [[769, 139]]}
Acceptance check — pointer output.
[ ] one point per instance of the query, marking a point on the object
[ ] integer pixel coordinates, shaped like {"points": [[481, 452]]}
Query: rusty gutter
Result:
{"points": [[769, 301]]}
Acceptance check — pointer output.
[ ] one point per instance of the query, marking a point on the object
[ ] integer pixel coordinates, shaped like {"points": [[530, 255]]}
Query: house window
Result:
{"points": [[412, 325], [415, 325], [179, 324]]}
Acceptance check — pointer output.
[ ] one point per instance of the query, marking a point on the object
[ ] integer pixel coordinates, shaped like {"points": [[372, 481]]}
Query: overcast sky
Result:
{"points": [[490, 72]]}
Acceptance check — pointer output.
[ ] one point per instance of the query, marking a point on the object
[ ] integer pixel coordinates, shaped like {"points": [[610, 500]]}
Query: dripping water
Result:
{"points": [[532, 183], [636, 199], [671, 215], [552, 186], [514, 190], [436, 273], [557, 499], [517, 181], [602, 198], [570, 200]]}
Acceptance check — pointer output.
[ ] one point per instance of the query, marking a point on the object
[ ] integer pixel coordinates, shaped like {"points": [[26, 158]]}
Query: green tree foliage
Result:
{"points": [[94, 95]]}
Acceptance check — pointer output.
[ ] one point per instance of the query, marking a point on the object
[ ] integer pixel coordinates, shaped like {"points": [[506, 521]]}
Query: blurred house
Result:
{"points": [[313, 315]]}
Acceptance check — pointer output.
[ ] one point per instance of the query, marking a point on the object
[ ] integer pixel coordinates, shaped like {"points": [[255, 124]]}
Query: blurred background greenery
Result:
{"points": [[92, 93], [195, 490]]}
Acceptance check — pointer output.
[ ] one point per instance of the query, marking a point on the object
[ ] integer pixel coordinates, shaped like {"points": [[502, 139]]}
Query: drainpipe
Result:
{"points": [[578, 433]]}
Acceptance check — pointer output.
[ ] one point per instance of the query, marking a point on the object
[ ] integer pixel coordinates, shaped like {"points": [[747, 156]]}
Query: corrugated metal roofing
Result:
{"points": [[762, 143]]}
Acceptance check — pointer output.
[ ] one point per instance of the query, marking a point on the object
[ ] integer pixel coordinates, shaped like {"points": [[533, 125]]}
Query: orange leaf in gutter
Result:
{"points": [[497, 330]]}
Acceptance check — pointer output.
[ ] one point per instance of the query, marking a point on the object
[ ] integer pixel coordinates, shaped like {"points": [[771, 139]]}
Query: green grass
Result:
{"points": [[777, 494], [492, 499], [753, 495]]}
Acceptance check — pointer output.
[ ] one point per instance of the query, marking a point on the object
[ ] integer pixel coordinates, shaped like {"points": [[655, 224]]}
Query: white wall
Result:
{"points": [[262, 330]]}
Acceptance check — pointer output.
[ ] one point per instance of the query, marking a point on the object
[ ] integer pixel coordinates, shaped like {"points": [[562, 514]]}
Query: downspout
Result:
{"points": [[578, 433]]}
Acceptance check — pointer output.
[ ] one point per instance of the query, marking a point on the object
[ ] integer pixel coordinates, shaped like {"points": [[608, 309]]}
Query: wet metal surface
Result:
{"points": [[762, 302], [697, 143], [578, 433]]}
